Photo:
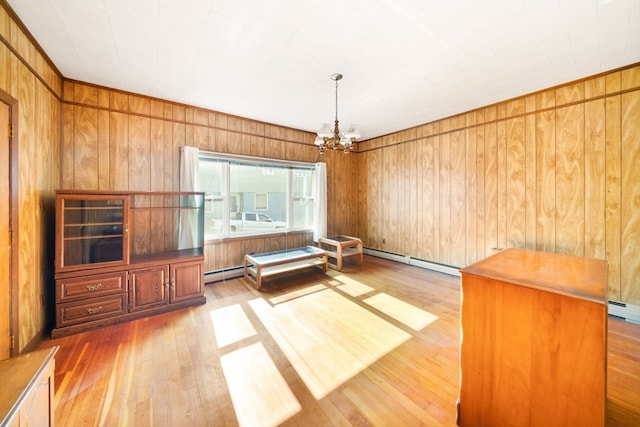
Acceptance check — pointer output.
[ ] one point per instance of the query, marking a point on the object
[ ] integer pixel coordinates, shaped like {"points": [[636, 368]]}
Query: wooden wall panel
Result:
{"points": [[471, 183], [458, 198], [374, 201], [501, 179], [515, 183], [38, 89], [613, 194], [569, 180], [630, 212], [391, 211], [444, 199], [490, 188], [104, 150], [427, 231], [530, 241], [413, 205], [140, 153], [85, 148], [546, 182], [554, 171], [595, 179], [480, 188], [118, 153]]}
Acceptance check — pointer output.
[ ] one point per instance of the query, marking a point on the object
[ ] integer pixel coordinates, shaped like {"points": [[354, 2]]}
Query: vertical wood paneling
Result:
{"points": [[457, 191], [569, 180], [471, 206], [480, 190], [427, 162], [613, 194], [86, 148], [546, 182], [39, 164], [412, 202], [139, 153], [515, 183], [103, 150], [630, 212], [501, 181], [67, 171], [119, 151], [490, 188], [374, 215], [530, 182], [595, 176], [156, 157], [390, 208]]}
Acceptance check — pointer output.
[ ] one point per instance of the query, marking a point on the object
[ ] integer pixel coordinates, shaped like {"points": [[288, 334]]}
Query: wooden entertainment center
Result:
{"points": [[126, 255]]}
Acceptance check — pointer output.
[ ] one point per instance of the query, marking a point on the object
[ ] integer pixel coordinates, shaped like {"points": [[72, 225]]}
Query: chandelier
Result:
{"points": [[328, 138]]}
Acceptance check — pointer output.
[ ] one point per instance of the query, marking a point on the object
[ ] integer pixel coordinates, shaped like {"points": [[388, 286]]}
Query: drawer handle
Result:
{"points": [[94, 287], [94, 310]]}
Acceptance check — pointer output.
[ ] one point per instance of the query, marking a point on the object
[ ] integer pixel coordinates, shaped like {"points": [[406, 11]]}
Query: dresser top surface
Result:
{"points": [[574, 276]]}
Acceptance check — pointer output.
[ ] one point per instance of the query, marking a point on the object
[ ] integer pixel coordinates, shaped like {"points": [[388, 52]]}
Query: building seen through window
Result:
{"points": [[254, 196]]}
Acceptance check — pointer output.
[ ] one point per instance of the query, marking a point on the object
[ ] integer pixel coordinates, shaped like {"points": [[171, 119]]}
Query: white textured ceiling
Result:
{"points": [[404, 62]]}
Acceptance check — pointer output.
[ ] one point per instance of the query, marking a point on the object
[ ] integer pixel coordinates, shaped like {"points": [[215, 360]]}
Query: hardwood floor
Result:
{"points": [[373, 345]]}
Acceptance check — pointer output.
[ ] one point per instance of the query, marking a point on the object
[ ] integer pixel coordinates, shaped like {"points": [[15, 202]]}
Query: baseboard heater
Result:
{"points": [[621, 310], [406, 259], [224, 274]]}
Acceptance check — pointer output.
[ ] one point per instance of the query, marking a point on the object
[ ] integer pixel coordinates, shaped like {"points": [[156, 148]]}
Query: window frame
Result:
{"points": [[226, 195]]}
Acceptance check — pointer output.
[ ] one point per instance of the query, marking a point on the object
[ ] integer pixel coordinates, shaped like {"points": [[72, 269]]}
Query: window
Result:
{"points": [[251, 195]]}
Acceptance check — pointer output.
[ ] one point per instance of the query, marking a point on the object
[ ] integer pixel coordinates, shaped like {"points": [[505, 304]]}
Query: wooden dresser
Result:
{"points": [[533, 341], [27, 389]]}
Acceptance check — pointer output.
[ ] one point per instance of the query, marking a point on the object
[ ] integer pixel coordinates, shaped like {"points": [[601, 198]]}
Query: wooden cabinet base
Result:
{"points": [[87, 326], [27, 397], [91, 299], [534, 341]]}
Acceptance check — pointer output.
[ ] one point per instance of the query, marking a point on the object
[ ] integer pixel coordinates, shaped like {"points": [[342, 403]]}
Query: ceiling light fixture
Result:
{"points": [[334, 139]]}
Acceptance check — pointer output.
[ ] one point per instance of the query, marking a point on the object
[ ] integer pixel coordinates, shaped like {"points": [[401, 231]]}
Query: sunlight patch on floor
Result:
{"points": [[231, 325], [259, 393], [296, 294], [327, 338], [406, 313], [352, 287]]}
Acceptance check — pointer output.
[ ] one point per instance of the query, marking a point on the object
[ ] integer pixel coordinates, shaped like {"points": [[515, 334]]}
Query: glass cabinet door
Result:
{"points": [[92, 230]]}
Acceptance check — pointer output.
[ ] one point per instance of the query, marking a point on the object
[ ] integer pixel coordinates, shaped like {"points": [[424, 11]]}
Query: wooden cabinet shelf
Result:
{"points": [[125, 255]]}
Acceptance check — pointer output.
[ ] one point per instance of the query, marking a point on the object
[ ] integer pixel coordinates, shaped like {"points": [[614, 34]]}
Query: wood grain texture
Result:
{"points": [[613, 154], [630, 197], [445, 242], [533, 354], [169, 369], [595, 179], [515, 184], [569, 180], [38, 89], [427, 168]]}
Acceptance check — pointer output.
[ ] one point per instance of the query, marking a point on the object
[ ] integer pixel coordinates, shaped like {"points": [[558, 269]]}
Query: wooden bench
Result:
{"points": [[259, 266]]}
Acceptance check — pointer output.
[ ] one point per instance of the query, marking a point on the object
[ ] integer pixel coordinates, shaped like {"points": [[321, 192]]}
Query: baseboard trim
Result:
{"points": [[406, 259], [224, 274]]}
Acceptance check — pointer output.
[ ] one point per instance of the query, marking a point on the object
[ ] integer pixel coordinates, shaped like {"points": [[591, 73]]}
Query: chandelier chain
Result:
{"points": [[328, 138]]}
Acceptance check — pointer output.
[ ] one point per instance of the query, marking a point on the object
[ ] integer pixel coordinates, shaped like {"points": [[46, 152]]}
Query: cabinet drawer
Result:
{"points": [[86, 310], [91, 286]]}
